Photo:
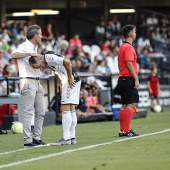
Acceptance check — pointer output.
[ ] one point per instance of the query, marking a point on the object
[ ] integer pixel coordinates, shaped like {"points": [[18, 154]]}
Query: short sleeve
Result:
{"points": [[21, 49]]}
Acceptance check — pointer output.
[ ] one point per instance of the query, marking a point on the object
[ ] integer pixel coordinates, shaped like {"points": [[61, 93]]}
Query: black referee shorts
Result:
{"points": [[128, 93]]}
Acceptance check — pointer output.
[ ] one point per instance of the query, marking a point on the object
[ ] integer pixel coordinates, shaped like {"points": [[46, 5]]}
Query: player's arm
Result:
{"points": [[158, 88], [130, 67], [149, 86], [59, 82], [67, 65]]}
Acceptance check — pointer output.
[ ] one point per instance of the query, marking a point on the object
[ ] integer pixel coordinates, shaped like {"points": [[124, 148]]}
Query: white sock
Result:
{"points": [[66, 124], [73, 125]]}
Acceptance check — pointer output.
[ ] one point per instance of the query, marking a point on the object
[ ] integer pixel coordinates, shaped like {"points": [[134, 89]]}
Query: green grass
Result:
{"points": [[146, 153]]}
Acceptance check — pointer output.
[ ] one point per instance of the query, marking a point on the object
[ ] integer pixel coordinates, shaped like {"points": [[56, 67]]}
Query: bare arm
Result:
{"points": [[18, 55], [158, 89], [149, 87], [130, 67], [59, 82], [67, 65]]}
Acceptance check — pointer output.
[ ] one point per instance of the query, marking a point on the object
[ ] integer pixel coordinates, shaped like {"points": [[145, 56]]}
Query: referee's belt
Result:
{"points": [[34, 78]]}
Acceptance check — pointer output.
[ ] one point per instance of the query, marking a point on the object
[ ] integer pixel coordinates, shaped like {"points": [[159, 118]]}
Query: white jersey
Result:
{"points": [[25, 70], [55, 62]]}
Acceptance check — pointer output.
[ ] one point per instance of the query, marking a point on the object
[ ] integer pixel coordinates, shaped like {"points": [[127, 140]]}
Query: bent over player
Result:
{"points": [[69, 83]]}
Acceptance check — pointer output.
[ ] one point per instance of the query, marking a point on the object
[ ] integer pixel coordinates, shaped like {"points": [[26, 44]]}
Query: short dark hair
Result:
{"points": [[32, 30], [127, 29], [33, 60]]}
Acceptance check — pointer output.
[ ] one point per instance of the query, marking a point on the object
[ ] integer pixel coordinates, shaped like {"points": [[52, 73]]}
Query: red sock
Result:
{"points": [[127, 118], [121, 120]]}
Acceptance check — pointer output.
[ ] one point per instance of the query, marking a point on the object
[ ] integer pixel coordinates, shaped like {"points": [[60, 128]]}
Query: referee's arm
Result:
{"points": [[130, 67]]}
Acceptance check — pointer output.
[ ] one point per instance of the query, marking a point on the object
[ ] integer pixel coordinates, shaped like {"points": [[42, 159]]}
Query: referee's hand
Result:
{"points": [[137, 85], [71, 82]]}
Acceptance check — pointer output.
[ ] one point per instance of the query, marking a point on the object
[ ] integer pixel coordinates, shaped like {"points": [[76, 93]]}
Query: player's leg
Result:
{"points": [[66, 124], [73, 125], [75, 95], [152, 103]]}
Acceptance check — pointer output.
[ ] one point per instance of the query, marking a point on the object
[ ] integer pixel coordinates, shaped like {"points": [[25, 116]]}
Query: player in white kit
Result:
{"points": [[69, 83]]}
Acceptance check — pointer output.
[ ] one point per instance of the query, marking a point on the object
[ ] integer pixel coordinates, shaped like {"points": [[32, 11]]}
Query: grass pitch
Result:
{"points": [[151, 152]]}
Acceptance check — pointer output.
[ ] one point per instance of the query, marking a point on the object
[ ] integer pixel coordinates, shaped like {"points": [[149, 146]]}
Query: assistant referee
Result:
{"points": [[128, 80]]}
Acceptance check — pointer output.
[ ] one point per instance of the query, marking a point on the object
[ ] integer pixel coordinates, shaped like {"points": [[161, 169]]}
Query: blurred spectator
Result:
{"points": [[129, 20], [82, 102], [112, 61], [3, 61], [156, 35], [4, 46], [21, 36], [113, 46], [67, 51], [102, 67], [109, 30], [5, 35], [46, 45], [7, 71], [141, 25], [144, 59], [92, 101], [56, 43], [106, 46], [81, 109], [100, 33], [152, 22], [143, 42], [75, 42], [13, 67], [3, 84], [4, 111], [14, 30], [165, 41], [164, 25], [47, 32], [116, 26]]}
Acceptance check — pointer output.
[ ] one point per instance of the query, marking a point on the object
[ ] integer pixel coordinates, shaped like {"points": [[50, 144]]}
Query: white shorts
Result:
{"points": [[71, 95]]}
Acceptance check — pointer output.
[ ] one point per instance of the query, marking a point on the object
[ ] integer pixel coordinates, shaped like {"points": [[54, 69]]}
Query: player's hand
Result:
{"points": [[71, 82], [137, 85]]}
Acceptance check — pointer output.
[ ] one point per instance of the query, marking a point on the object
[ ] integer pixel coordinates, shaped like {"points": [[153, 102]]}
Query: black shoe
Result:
{"points": [[39, 142], [131, 133], [2, 132], [29, 145], [152, 110], [122, 134]]}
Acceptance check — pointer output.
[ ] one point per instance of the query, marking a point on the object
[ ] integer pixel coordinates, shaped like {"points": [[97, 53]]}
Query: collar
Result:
{"points": [[127, 42], [31, 45]]}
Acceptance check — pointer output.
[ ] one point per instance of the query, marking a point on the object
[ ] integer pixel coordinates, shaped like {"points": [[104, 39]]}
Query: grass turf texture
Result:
{"points": [[151, 152]]}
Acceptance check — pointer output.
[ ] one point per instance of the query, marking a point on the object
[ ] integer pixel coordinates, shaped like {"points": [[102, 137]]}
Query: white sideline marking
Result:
{"points": [[74, 150], [6, 153]]}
